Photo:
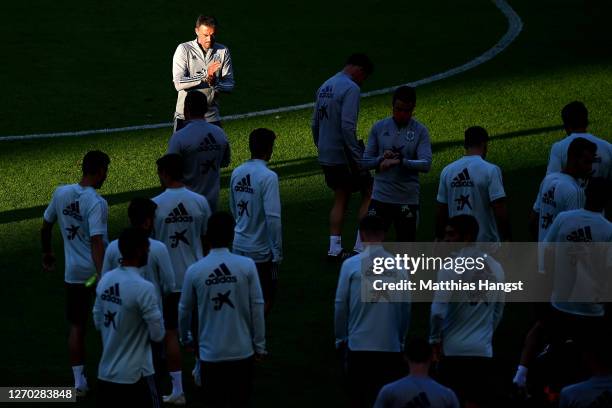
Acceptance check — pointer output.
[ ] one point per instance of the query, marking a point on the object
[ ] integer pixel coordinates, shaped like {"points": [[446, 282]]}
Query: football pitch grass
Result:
{"points": [[559, 57]]}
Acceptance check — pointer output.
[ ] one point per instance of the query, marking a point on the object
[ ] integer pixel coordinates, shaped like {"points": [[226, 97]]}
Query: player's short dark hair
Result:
{"points": [[361, 60], [220, 230], [208, 21], [597, 193], [475, 136], [405, 94], [261, 141], [418, 350], [465, 225], [578, 146], [95, 161], [196, 104], [172, 165], [131, 241], [575, 115], [372, 224], [140, 210]]}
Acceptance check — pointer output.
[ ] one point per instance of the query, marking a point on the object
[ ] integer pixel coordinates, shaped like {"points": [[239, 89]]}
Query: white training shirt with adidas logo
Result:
{"points": [[128, 317], [205, 150], [81, 214], [180, 222], [230, 306], [468, 186], [158, 270], [582, 279], [255, 204]]}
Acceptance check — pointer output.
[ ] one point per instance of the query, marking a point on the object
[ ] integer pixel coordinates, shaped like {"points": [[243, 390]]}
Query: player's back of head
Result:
{"points": [[261, 142], [406, 94], [465, 226], [418, 350], [362, 61], [140, 210], [475, 136], [171, 165], [94, 161], [575, 115], [220, 230], [196, 105], [133, 243], [578, 147], [372, 228]]}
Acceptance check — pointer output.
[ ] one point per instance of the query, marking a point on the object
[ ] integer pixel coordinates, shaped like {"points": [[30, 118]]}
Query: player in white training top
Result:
{"points": [[82, 217], [128, 317], [575, 118], [473, 186], [225, 289], [180, 223], [463, 322], [255, 203], [416, 389]]}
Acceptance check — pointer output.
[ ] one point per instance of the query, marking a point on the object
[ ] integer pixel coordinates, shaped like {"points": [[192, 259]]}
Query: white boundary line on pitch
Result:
{"points": [[515, 25]]}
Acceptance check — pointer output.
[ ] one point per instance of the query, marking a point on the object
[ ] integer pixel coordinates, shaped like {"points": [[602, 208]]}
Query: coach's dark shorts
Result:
{"points": [[171, 303], [404, 218], [79, 302], [340, 177], [227, 383]]}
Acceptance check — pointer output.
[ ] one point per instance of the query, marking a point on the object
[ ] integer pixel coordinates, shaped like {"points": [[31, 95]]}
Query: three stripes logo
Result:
{"points": [[221, 275], [244, 185], [179, 214], [112, 294], [549, 197], [72, 210], [580, 235], [462, 179], [208, 144]]}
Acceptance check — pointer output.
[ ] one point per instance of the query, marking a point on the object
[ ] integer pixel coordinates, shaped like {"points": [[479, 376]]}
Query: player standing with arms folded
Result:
{"points": [[202, 65], [334, 130], [255, 204], [128, 317], [180, 223], [82, 216], [225, 288], [398, 148]]}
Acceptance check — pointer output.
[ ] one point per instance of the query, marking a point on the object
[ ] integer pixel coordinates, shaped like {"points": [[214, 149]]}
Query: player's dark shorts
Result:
{"points": [[560, 326], [340, 177], [79, 302], [171, 303], [227, 383], [403, 217], [368, 371], [469, 377], [140, 394], [268, 279]]}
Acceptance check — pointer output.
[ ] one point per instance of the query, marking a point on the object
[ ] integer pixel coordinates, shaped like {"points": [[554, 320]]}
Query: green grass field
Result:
{"points": [[98, 66]]}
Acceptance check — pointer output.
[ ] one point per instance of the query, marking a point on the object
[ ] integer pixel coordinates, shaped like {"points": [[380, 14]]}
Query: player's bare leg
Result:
{"points": [[336, 220], [76, 351], [173, 355]]}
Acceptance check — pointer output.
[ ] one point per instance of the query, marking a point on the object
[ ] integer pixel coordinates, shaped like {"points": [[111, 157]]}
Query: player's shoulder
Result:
{"points": [[113, 246], [418, 127], [187, 46], [221, 47], [156, 246], [573, 389], [380, 125]]}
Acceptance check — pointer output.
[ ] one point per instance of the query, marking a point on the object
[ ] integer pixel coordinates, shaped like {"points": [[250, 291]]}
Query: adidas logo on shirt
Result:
{"points": [[580, 235], [72, 210], [209, 143], [179, 214], [244, 185], [549, 197], [112, 294], [220, 275], [462, 179]]}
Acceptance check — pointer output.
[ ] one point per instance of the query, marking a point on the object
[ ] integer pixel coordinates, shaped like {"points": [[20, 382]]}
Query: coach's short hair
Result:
{"points": [[575, 115], [208, 21], [95, 161], [465, 225], [172, 165], [220, 229], [597, 193], [196, 104], [418, 350], [405, 94], [131, 241], [475, 136], [578, 146], [372, 224], [261, 141], [140, 210], [362, 61]]}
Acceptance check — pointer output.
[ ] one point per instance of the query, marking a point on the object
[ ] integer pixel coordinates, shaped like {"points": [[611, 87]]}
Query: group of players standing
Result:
{"points": [[179, 259]]}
